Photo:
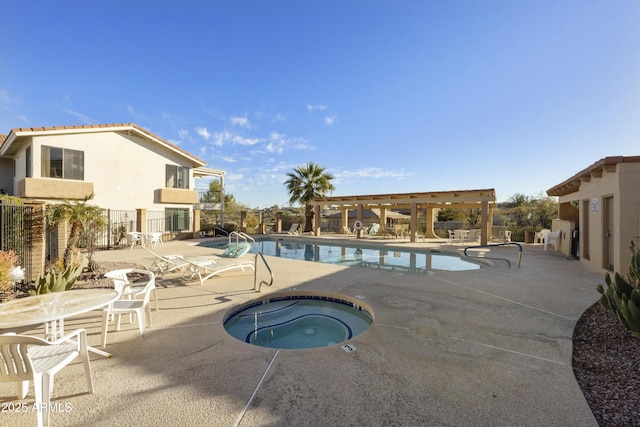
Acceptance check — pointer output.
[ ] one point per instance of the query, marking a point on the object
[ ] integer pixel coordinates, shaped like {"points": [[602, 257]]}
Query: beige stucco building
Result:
{"points": [[124, 166], [602, 202]]}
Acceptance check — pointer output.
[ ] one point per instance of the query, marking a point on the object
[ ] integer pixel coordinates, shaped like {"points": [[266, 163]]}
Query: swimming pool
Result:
{"points": [[402, 260], [298, 320]]}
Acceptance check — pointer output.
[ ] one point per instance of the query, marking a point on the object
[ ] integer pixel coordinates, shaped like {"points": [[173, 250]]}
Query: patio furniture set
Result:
{"points": [[152, 239], [463, 236], [25, 358]]}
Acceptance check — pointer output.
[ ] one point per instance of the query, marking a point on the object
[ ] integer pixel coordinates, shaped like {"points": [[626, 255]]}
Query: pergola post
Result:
{"points": [[383, 218], [316, 219], [278, 221], [414, 221], [345, 220], [359, 214], [484, 223], [428, 224]]}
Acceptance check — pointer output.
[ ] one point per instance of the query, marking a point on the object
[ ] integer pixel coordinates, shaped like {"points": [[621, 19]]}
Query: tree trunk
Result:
{"points": [[308, 218], [74, 234]]}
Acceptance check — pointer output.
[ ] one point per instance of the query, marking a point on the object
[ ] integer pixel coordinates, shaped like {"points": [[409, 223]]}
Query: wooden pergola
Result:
{"points": [[429, 202]]}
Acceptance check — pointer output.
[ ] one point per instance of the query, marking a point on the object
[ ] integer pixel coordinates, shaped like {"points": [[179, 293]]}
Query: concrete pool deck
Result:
{"points": [[483, 347]]}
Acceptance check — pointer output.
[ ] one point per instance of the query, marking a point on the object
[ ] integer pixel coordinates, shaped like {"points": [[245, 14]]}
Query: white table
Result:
{"points": [[53, 308]]}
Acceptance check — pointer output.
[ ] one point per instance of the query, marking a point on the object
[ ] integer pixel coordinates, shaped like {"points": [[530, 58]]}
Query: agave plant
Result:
{"points": [[55, 281], [622, 296]]}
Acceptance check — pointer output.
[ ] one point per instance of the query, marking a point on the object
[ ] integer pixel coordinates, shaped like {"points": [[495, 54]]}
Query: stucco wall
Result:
{"points": [[126, 170], [622, 184]]}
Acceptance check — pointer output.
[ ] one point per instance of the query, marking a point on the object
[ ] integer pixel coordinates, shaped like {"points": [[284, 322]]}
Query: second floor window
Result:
{"points": [[177, 176], [62, 163]]}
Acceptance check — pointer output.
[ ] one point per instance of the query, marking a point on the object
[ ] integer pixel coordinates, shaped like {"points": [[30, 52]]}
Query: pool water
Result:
{"points": [[294, 322], [393, 259]]}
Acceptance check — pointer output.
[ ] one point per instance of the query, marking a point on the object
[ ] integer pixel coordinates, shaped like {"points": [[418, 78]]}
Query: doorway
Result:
{"points": [[607, 238]]}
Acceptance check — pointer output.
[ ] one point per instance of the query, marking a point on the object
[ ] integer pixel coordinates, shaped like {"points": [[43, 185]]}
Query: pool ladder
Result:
{"points": [[497, 244], [240, 235], [255, 273]]}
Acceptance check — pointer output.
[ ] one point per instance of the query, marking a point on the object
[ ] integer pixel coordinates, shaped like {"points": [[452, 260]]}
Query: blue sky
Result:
{"points": [[390, 96]]}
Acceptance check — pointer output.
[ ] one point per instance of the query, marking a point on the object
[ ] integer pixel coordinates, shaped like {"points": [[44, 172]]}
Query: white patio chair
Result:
{"points": [[129, 289], [135, 238], [541, 235], [130, 306], [155, 239], [552, 237], [24, 358]]}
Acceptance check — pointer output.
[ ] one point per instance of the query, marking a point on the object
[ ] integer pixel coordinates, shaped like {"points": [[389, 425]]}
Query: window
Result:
{"points": [[177, 219], [28, 164], [177, 176], [62, 163]]}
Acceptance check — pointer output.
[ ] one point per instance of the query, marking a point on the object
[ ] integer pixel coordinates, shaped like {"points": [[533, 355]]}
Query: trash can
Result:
{"points": [[575, 244]]}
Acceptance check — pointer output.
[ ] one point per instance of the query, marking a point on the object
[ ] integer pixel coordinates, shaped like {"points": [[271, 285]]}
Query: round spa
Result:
{"points": [[295, 320]]}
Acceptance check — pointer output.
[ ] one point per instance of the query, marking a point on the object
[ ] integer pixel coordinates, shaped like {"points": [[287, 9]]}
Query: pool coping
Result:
{"points": [[449, 348]]}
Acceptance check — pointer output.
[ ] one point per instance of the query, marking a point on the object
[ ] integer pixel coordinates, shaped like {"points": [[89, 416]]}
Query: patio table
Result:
{"points": [[53, 308]]}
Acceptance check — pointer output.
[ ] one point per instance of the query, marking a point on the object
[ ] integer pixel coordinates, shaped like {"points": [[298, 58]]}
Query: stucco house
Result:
{"points": [[601, 204], [126, 167]]}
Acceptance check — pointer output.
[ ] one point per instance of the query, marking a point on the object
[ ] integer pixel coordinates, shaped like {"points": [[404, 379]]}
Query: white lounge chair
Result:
{"points": [[24, 358], [166, 263], [292, 230], [206, 267]]}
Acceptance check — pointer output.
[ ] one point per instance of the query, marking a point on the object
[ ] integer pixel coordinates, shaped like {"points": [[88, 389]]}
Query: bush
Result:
{"points": [[8, 260], [622, 297], [59, 281]]}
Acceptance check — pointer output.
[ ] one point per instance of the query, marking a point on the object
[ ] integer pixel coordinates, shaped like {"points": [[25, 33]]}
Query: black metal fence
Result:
{"points": [[16, 233], [121, 222]]}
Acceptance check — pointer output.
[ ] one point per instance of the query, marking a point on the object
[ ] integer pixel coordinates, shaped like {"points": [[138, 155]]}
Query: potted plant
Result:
{"points": [[529, 234]]}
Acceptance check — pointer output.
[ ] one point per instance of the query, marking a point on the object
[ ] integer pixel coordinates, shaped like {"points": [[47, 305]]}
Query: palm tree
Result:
{"points": [[77, 213], [306, 183]]}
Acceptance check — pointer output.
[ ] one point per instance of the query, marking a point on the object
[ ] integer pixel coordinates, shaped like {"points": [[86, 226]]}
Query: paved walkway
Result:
{"points": [[486, 347]]}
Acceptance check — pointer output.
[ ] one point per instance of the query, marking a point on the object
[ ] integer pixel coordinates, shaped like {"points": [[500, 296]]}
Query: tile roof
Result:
{"points": [[572, 184], [99, 126]]}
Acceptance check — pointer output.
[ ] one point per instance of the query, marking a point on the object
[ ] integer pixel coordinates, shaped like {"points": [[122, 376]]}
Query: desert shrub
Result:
{"points": [[8, 260], [622, 296]]}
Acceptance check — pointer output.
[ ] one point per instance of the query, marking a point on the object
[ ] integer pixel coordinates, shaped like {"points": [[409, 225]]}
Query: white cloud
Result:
{"points": [[234, 177], [329, 120], [80, 116], [278, 118], [22, 118], [275, 147], [372, 172], [203, 132], [183, 133], [241, 140], [320, 107], [241, 121], [220, 138], [4, 99]]}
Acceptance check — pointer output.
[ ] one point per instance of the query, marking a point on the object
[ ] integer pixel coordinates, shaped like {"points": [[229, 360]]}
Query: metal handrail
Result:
{"points": [[244, 236], [222, 230], [255, 272], [497, 244]]}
